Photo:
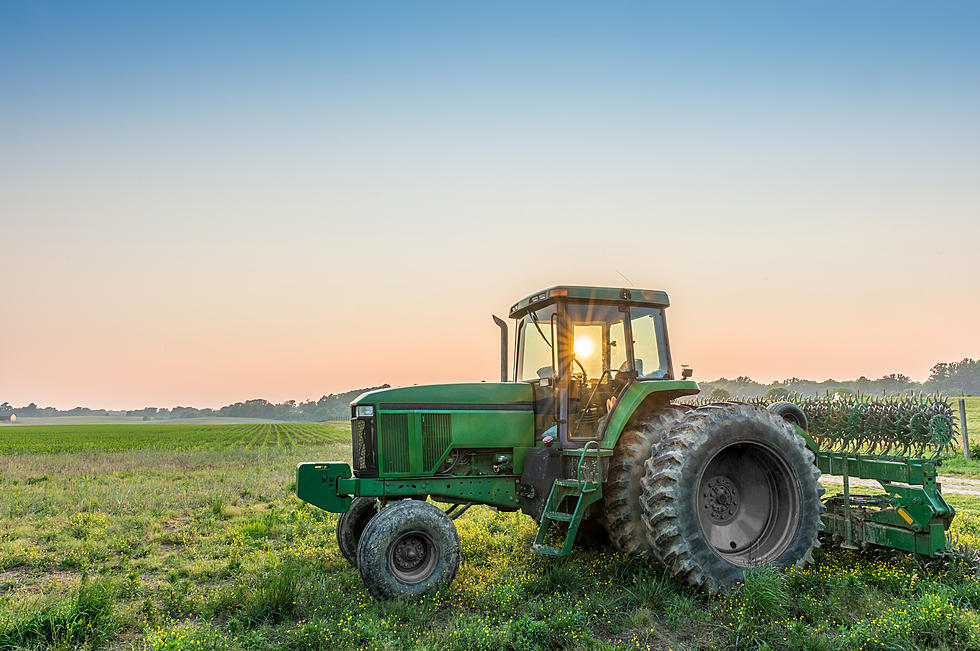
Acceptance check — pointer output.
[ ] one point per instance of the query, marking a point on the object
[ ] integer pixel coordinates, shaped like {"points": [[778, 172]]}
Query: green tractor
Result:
{"points": [[588, 440]]}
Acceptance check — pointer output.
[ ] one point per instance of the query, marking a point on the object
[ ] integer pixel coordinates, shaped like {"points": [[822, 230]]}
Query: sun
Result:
{"points": [[584, 346]]}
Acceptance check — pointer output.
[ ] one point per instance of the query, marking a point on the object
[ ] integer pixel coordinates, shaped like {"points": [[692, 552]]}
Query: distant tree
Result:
{"points": [[777, 393], [184, 412], [955, 377], [338, 404], [894, 383], [720, 394]]}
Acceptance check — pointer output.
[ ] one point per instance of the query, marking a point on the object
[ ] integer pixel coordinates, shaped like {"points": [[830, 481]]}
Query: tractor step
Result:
{"points": [[569, 483], [558, 516], [581, 493], [546, 550]]}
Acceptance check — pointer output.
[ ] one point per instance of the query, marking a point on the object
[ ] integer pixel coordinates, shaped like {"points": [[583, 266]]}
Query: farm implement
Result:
{"points": [[872, 438], [589, 439]]}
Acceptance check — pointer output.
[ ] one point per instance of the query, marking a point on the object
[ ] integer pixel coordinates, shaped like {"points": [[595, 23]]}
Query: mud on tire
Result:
{"points": [[731, 487], [622, 490]]}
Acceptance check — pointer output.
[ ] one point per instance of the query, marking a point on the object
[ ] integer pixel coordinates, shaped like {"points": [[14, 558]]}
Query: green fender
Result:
{"points": [[635, 395]]}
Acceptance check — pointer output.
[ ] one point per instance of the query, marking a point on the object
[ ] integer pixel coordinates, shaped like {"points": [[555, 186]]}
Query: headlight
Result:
{"points": [[364, 411]]}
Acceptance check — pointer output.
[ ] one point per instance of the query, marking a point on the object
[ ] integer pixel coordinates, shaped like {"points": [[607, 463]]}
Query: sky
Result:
{"points": [[202, 203]]}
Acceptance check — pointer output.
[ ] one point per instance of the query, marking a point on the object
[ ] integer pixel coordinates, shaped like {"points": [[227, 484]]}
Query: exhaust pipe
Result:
{"points": [[503, 346]]}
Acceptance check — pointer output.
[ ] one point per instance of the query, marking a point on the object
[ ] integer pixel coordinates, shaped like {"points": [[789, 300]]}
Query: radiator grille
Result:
{"points": [[394, 442], [436, 436], [360, 450], [364, 447]]}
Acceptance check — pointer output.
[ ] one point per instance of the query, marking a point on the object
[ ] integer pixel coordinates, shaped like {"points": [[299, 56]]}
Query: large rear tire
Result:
{"points": [[621, 493], [731, 487]]}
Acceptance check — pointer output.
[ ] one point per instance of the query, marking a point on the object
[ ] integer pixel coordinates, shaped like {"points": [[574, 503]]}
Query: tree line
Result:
{"points": [[335, 406], [951, 378]]}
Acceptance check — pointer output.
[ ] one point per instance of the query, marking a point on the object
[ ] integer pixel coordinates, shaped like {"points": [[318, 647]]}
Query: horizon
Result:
{"points": [[203, 203], [722, 379]]}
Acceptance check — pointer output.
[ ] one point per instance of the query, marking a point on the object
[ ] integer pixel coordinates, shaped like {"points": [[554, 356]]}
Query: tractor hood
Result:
{"points": [[410, 431], [475, 396]]}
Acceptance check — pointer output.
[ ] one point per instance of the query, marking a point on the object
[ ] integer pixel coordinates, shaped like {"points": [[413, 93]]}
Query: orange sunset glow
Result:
{"points": [[178, 231]]}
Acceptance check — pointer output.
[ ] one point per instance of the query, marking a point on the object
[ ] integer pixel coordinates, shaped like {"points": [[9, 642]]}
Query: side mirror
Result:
{"points": [[686, 372]]}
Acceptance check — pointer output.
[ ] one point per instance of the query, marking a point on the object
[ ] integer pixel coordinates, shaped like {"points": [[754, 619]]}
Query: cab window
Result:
{"points": [[649, 351], [588, 348], [534, 355], [617, 347]]}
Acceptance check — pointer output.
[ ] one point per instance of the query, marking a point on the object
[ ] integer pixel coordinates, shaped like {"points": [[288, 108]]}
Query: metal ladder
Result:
{"points": [[585, 492]]}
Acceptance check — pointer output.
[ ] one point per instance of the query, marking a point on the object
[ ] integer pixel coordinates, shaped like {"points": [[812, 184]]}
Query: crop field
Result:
{"points": [[105, 438], [194, 540]]}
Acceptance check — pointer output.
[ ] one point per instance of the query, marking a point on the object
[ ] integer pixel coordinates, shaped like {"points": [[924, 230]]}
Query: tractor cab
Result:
{"points": [[580, 348]]}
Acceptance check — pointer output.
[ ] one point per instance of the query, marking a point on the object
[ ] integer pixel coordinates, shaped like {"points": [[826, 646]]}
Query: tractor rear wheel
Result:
{"points": [[407, 549], [351, 525], [731, 487], [621, 493]]}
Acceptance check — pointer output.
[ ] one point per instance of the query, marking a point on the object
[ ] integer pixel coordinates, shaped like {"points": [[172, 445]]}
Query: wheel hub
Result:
{"points": [[748, 503], [409, 553], [720, 498], [413, 557]]}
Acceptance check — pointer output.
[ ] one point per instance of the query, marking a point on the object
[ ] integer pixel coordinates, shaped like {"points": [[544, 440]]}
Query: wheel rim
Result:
{"points": [[748, 504], [413, 557]]}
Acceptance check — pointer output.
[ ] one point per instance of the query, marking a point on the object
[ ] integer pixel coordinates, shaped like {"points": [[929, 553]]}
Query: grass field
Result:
{"points": [[199, 543], [972, 416]]}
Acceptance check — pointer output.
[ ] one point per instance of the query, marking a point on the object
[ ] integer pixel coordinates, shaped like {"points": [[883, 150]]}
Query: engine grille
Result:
{"points": [[436, 436], [394, 442], [364, 447]]}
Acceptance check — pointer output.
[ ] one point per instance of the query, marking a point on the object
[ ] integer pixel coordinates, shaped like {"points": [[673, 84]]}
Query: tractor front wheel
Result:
{"points": [[731, 487], [407, 549], [351, 525]]}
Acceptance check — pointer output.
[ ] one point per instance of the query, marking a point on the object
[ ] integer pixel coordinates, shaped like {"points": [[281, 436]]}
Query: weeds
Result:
{"points": [[273, 596], [763, 594], [84, 618]]}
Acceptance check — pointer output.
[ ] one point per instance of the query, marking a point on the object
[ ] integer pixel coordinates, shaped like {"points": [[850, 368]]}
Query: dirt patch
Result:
{"points": [[14, 577], [44, 582], [954, 485]]}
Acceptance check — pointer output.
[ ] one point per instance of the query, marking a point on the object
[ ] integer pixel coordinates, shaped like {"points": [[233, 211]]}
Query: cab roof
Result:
{"points": [[646, 297]]}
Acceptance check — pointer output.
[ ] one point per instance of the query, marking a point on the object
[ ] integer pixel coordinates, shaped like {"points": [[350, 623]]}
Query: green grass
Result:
{"points": [[105, 545], [972, 405], [956, 464]]}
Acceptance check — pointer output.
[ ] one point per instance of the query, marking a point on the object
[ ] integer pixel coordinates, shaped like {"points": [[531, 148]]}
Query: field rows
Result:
{"points": [[78, 438]]}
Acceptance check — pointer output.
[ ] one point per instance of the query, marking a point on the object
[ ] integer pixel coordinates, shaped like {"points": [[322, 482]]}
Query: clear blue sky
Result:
{"points": [[198, 200]]}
